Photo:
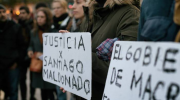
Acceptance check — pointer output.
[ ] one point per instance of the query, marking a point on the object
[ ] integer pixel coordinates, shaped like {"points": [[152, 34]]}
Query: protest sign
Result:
{"points": [[67, 61], [143, 71]]}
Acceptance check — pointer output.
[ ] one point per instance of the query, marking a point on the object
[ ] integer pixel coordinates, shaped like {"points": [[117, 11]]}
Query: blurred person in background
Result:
{"points": [[43, 24], [27, 24], [40, 5], [13, 15], [61, 19], [12, 44]]}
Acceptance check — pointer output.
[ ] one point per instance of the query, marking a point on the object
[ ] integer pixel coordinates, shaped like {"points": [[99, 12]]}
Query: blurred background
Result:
{"points": [[14, 5], [12, 11]]}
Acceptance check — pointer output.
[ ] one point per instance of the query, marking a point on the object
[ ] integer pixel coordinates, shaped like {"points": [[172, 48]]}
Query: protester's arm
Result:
{"points": [[126, 30], [128, 26]]}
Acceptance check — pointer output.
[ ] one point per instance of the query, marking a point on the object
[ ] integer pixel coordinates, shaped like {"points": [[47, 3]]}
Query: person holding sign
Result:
{"points": [[44, 21], [108, 19], [78, 15]]}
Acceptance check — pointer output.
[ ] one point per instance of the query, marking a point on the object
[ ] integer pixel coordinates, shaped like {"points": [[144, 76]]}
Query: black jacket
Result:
{"points": [[11, 43], [27, 26]]}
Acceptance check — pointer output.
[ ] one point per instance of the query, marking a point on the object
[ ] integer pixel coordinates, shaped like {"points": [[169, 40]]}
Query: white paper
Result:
{"points": [[67, 61], [143, 71]]}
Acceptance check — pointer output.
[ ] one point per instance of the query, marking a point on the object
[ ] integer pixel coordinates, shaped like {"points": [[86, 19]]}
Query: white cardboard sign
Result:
{"points": [[67, 61], [143, 71]]}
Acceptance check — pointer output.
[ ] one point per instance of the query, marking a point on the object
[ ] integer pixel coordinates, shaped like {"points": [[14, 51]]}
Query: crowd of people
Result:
{"points": [[124, 20]]}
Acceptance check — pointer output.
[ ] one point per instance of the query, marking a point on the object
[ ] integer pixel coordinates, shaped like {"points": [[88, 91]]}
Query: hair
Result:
{"points": [[25, 8], [137, 3], [63, 3], [87, 3], [49, 21], [41, 4]]}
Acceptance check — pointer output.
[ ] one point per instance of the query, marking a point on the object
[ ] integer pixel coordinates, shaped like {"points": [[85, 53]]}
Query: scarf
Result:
{"points": [[58, 20]]}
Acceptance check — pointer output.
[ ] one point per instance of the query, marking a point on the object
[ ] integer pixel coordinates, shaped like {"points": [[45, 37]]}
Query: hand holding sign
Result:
{"points": [[63, 31]]}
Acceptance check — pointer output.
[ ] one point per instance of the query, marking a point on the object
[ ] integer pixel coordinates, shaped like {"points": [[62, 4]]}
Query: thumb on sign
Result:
{"points": [[63, 31]]}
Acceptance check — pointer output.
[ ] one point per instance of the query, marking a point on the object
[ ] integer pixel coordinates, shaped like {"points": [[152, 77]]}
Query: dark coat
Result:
{"points": [[27, 26], [116, 19], [12, 43], [156, 21], [37, 79]]}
